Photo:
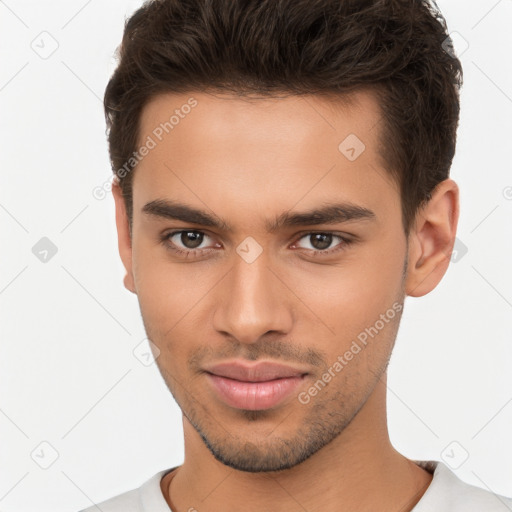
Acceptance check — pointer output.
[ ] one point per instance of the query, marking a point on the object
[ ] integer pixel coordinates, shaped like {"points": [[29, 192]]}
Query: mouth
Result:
{"points": [[254, 387]]}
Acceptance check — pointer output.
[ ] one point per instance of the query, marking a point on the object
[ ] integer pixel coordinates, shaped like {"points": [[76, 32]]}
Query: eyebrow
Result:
{"points": [[331, 213]]}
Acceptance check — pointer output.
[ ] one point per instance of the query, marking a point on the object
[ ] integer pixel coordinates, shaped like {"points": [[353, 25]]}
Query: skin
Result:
{"points": [[247, 161]]}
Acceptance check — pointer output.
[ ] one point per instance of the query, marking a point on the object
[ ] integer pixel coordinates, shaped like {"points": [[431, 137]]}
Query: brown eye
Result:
{"points": [[320, 241], [189, 243], [186, 240], [191, 239]]}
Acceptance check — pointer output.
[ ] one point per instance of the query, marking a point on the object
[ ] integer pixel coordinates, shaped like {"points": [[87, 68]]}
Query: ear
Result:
{"points": [[431, 240], [124, 241]]}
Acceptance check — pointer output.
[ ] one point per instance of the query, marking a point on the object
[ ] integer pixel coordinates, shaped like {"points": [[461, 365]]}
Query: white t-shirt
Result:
{"points": [[446, 493]]}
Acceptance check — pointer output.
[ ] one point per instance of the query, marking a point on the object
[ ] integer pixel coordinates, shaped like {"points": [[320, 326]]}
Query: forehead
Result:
{"points": [[283, 120], [225, 151]]}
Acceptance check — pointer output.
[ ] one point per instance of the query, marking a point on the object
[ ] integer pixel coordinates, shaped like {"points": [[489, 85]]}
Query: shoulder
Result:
{"points": [[448, 493], [128, 502], [147, 497]]}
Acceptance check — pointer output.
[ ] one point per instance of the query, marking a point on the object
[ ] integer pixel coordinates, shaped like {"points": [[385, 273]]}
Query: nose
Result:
{"points": [[252, 302]]}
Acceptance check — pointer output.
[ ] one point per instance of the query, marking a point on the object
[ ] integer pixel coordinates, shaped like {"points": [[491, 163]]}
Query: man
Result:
{"points": [[282, 184]]}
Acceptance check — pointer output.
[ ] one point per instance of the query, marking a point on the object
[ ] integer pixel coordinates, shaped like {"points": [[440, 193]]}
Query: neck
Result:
{"points": [[359, 470]]}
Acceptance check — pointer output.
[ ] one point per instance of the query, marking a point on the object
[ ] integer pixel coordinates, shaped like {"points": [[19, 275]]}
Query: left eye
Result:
{"points": [[189, 240], [320, 241]]}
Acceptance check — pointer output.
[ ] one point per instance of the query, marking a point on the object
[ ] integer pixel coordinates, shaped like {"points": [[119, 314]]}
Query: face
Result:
{"points": [[257, 238]]}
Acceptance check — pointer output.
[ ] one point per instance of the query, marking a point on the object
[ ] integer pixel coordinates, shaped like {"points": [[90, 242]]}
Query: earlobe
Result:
{"points": [[124, 241], [431, 240]]}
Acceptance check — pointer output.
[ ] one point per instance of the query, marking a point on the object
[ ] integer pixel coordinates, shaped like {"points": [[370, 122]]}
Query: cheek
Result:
{"points": [[172, 298], [162, 287], [353, 293], [358, 300]]}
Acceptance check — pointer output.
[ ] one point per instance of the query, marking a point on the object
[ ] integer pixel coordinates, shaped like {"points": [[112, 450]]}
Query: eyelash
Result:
{"points": [[187, 253]]}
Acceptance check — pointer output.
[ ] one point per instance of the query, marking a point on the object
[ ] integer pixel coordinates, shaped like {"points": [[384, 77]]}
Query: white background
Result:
{"points": [[68, 327]]}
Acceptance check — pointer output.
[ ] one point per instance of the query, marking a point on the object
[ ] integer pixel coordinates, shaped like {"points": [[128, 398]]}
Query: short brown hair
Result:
{"points": [[398, 48]]}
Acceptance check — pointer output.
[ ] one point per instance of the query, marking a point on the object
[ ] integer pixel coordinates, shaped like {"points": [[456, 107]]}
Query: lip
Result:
{"points": [[258, 372], [254, 387]]}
